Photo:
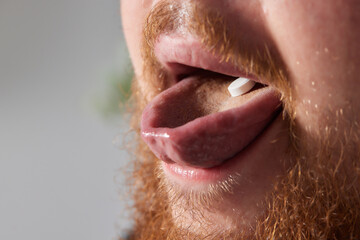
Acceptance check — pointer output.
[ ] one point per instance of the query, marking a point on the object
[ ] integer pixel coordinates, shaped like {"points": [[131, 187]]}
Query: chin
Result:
{"points": [[230, 196]]}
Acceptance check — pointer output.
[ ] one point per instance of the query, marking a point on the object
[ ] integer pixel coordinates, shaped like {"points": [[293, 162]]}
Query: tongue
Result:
{"points": [[188, 123]]}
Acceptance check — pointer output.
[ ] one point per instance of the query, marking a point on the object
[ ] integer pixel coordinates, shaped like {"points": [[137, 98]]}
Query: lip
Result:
{"points": [[202, 148], [178, 52]]}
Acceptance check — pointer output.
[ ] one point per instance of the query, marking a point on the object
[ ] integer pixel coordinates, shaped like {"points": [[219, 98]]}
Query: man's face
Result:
{"points": [[283, 156]]}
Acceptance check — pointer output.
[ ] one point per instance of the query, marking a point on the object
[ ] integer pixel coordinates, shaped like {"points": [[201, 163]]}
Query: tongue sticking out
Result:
{"points": [[196, 122]]}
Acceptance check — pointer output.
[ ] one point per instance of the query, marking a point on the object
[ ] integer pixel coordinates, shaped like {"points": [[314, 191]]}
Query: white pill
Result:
{"points": [[240, 86]]}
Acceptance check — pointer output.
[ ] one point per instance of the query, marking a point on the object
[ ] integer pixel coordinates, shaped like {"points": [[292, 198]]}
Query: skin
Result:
{"points": [[318, 42]]}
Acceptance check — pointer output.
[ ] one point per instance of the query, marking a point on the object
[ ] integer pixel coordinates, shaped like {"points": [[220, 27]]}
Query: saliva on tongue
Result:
{"points": [[197, 123]]}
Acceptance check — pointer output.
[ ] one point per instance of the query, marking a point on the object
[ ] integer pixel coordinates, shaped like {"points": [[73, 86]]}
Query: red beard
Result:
{"points": [[318, 197]]}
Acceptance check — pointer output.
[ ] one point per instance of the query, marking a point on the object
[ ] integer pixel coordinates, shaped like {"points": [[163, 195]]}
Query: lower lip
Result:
{"points": [[195, 174], [202, 175], [231, 166]]}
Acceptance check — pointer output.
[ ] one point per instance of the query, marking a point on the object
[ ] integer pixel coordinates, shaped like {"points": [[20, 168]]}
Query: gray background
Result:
{"points": [[57, 161]]}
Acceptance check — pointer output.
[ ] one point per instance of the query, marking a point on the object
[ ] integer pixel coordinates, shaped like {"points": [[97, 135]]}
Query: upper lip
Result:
{"points": [[209, 140], [185, 55]]}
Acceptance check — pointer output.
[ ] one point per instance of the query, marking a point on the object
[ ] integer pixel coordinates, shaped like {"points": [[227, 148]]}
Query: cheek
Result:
{"points": [[133, 13], [318, 41]]}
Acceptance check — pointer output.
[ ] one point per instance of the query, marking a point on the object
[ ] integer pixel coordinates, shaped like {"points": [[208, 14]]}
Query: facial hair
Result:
{"points": [[318, 198]]}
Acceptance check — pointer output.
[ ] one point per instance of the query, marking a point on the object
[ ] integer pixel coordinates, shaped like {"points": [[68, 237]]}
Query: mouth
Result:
{"points": [[195, 127]]}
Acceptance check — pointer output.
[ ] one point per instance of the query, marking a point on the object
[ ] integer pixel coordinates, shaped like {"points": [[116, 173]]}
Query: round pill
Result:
{"points": [[240, 86]]}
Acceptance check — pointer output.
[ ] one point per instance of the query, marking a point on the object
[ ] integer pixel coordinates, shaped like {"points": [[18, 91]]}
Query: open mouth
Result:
{"points": [[195, 125]]}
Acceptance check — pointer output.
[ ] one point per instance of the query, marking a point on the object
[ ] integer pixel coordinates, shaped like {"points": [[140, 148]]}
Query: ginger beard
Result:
{"points": [[318, 196]]}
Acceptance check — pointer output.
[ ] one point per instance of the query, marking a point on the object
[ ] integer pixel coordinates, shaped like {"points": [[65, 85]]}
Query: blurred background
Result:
{"points": [[64, 69]]}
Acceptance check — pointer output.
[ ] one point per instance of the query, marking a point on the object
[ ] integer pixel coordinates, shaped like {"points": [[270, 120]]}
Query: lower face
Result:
{"points": [[288, 149]]}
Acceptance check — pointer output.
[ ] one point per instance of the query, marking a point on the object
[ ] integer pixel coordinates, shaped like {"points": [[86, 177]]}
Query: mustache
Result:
{"points": [[220, 35]]}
